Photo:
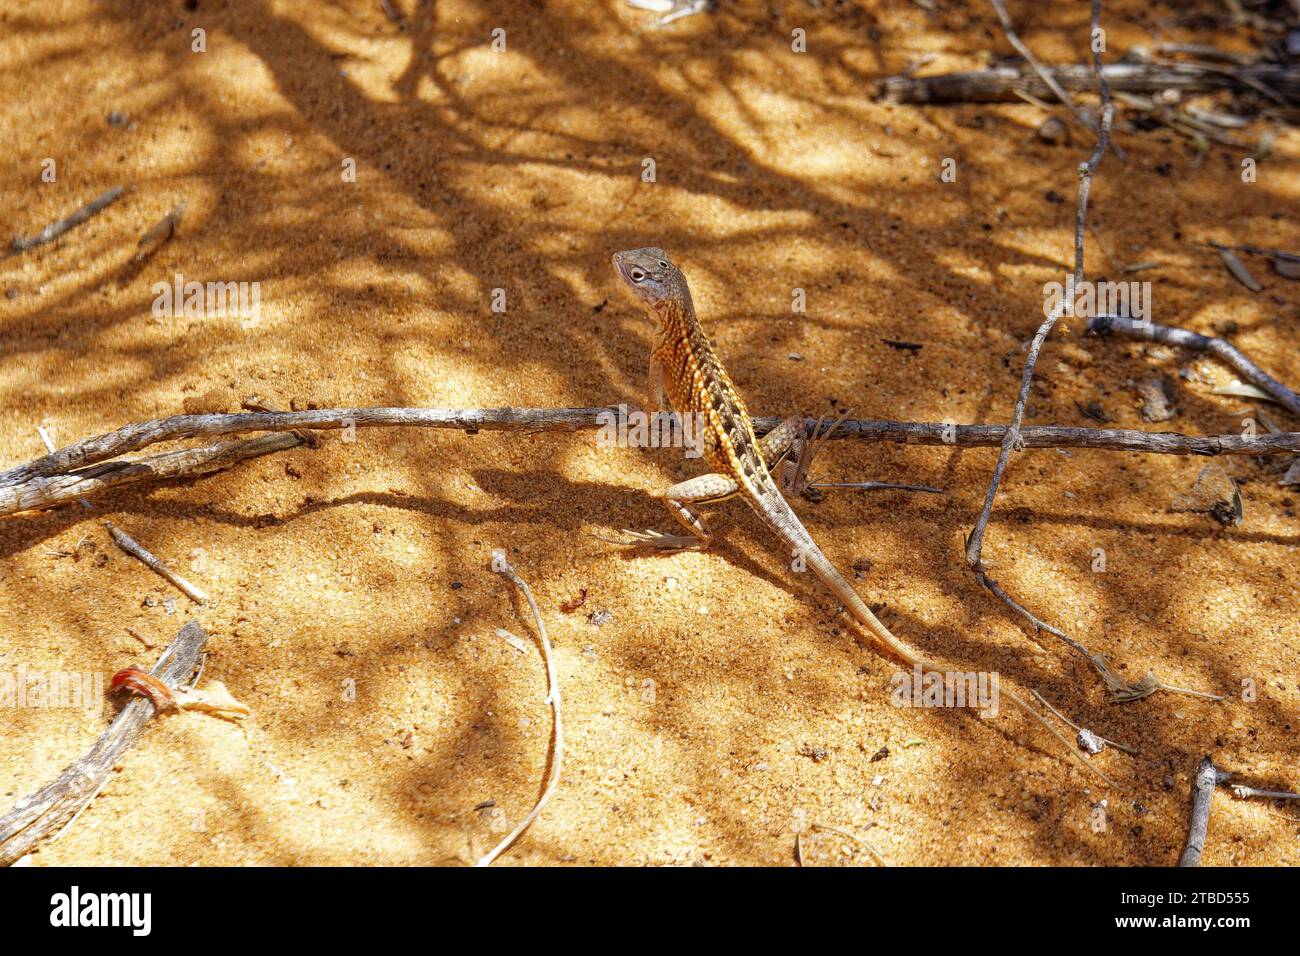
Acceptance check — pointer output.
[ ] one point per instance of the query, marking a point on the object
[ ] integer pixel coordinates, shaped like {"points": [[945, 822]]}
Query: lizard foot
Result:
{"points": [[659, 541]]}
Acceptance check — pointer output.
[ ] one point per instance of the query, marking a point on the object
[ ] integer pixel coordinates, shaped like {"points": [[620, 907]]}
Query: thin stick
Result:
{"points": [[877, 486], [1259, 251], [139, 435], [1161, 685], [1203, 50], [136, 550], [1221, 349], [1044, 701], [56, 229], [880, 857], [1243, 791], [501, 566], [1207, 778], [1011, 441], [1070, 747], [34, 818]]}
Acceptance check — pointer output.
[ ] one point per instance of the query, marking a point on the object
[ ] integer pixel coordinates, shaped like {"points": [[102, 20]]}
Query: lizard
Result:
{"points": [[686, 371]]}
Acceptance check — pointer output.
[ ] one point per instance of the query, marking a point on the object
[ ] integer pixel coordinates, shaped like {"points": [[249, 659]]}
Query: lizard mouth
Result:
{"points": [[625, 268], [619, 259]]}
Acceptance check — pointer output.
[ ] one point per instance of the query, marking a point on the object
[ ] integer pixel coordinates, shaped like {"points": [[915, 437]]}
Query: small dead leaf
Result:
{"points": [[1242, 390], [518, 643], [1122, 693], [1089, 742], [162, 230], [1053, 130], [213, 699], [1238, 269], [1094, 411]]}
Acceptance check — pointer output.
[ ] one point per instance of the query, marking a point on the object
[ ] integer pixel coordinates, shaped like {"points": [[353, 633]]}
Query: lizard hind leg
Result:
{"points": [[781, 441], [680, 500]]}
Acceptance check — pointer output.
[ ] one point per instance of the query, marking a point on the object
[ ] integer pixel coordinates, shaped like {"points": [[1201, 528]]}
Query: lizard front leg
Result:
{"points": [[680, 500]]}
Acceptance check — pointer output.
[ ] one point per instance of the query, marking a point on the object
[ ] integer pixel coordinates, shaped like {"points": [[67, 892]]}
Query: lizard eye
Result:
{"points": [[636, 274], [662, 264]]}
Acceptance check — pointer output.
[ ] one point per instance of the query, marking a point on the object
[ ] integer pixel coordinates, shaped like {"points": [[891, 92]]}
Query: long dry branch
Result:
{"points": [[83, 468], [1004, 84], [47, 811]]}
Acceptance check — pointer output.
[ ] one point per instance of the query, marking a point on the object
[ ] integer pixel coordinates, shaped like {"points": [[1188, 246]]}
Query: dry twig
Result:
{"points": [[879, 857], [1006, 83], [502, 566], [1243, 791], [53, 807], [1207, 778], [56, 229], [1060, 716], [1220, 348], [1012, 439], [137, 550]]}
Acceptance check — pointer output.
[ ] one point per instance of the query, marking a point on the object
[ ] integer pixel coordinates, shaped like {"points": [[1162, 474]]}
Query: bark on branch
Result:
{"points": [[1208, 776]]}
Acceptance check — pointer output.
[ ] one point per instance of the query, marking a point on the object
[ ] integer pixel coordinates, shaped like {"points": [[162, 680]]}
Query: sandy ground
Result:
{"points": [[726, 706]]}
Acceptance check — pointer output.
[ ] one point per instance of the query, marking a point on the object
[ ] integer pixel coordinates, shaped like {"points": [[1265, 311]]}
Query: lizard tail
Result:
{"points": [[781, 518]]}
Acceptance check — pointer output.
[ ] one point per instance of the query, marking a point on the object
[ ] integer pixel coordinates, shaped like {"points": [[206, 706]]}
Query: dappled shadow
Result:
{"points": [[521, 171]]}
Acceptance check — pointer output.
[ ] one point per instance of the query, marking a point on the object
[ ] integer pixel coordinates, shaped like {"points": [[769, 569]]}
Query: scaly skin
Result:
{"points": [[684, 366]]}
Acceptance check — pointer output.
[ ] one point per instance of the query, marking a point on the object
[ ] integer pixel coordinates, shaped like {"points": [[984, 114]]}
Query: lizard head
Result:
{"points": [[652, 278]]}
